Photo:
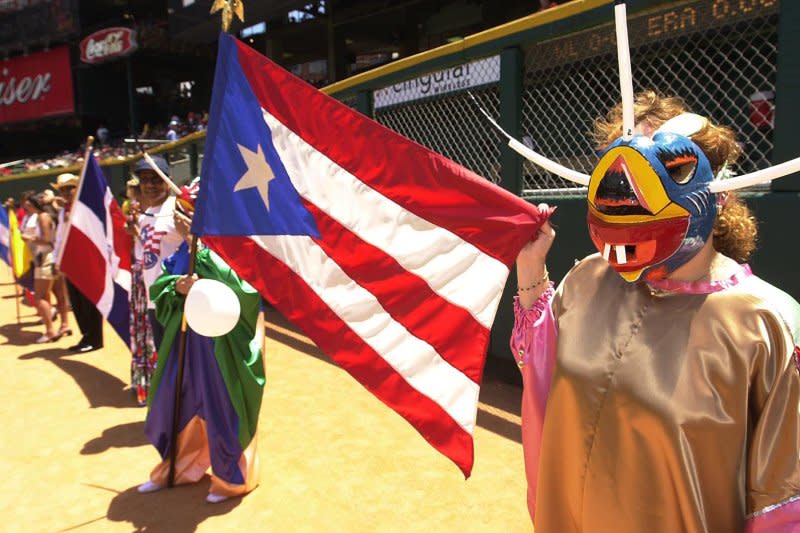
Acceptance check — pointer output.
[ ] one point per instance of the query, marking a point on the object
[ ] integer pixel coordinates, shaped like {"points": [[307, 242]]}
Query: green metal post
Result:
{"points": [[364, 102], [510, 116], [193, 161], [787, 89], [511, 87]]}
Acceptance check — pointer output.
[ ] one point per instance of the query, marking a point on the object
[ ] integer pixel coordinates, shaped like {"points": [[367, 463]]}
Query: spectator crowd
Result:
{"points": [[109, 147]]}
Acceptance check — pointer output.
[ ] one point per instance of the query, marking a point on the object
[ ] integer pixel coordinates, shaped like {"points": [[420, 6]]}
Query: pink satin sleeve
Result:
{"points": [[533, 343], [781, 518]]}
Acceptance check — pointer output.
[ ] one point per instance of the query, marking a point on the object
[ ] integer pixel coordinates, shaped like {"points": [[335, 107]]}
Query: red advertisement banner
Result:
{"points": [[36, 86]]}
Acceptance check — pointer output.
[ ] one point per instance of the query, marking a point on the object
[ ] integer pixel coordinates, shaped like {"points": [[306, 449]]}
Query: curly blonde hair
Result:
{"points": [[735, 228]]}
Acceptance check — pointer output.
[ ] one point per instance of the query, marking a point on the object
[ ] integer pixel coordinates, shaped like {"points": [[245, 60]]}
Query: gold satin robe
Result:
{"points": [[668, 413]]}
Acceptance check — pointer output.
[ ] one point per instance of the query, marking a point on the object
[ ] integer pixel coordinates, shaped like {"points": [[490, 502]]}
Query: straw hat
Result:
{"points": [[65, 179], [47, 196]]}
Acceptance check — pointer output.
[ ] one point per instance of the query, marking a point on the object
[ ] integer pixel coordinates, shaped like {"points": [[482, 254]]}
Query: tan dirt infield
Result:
{"points": [[333, 457]]}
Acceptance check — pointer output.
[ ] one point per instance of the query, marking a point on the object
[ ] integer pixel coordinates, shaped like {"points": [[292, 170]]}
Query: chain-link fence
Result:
{"points": [[435, 111], [350, 101], [719, 58]]}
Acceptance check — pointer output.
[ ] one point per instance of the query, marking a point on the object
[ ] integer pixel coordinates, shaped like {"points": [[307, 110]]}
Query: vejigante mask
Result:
{"points": [[650, 208], [652, 200]]}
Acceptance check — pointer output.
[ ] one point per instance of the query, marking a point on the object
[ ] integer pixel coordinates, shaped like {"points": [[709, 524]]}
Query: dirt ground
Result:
{"points": [[333, 457]]}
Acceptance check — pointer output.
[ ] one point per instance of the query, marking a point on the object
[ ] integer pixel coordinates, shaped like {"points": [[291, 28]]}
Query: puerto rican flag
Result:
{"points": [[390, 257], [96, 252]]}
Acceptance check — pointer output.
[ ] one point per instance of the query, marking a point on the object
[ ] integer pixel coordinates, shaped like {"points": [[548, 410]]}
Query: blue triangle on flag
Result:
{"points": [[242, 172]]}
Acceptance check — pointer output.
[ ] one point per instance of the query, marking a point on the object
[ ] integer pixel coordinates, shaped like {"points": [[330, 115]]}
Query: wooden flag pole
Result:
{"points": [[17, 295], [173, 452], [230, 9], [11, 261], [171, 184]]}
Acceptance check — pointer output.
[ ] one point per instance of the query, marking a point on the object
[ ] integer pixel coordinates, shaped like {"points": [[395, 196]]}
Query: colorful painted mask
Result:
{"points": [[650, 208]]}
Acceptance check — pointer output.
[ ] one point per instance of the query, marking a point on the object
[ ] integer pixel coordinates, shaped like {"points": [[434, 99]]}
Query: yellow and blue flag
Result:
{"points": [[21, 259], [5, 237]]}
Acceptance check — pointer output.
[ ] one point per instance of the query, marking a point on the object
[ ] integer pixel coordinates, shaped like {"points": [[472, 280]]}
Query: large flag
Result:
{"points": [[390, 257], [5, 237], [21, 259], [96, 252]]}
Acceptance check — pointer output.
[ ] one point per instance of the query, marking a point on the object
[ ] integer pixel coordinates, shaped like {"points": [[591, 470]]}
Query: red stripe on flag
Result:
{"points": [[422, 181], [297, 302], [123, 242], [84, 266], [454, 334]]}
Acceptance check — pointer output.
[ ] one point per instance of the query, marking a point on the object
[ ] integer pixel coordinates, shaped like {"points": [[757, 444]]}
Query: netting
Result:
{"points": [[445, 121], [725, 72]]}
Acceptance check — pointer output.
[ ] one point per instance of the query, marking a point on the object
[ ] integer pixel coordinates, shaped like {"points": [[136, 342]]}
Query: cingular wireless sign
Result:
{"points": [[473, 74]]}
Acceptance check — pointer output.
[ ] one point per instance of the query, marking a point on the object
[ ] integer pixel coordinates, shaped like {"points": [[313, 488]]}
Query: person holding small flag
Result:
{"points": [[157, 235]]}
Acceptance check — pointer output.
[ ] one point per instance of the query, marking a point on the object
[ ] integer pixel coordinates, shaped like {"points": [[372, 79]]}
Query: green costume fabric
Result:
{"points": [[238, 354]]}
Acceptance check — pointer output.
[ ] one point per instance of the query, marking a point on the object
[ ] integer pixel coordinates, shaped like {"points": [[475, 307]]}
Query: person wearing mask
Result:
{"points": [[90, 321], [661, 382]]}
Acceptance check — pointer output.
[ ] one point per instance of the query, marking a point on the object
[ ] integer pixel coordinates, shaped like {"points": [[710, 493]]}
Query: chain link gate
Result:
{"points": [[720, 56], [435, 111]]}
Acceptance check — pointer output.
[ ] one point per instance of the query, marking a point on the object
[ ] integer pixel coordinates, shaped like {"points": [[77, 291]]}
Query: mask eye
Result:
{"points": [[680, 167]]}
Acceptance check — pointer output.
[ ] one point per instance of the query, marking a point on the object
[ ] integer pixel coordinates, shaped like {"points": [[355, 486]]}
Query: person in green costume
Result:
{"points": [[223, 379]]}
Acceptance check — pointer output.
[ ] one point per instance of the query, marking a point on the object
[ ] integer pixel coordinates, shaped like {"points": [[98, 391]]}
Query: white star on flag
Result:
{"points": [[258, 174]]}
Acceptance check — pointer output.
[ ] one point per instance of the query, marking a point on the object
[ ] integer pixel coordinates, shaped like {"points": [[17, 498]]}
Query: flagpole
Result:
{"points": [[17, 295], [173, 452], [11, 248], [171, 184], [87, 153]]}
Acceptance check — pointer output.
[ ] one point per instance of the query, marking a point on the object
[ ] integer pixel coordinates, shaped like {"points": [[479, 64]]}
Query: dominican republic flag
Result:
{"points": [[390, 257], [96, 253], [5, 237]]}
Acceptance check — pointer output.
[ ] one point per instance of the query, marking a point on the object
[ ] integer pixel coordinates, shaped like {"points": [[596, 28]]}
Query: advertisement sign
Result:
{"points": [[473, 74], [36, 86], [107, 44]]}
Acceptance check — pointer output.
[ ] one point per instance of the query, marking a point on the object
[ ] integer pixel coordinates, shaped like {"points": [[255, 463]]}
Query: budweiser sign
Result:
{"points": [[36, 86], [106, 44]]}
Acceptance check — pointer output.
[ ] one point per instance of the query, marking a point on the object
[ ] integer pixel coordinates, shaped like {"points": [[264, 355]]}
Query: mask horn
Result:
{"points": [[625, 75], [757, 177], [530, 155], [686, 124]]}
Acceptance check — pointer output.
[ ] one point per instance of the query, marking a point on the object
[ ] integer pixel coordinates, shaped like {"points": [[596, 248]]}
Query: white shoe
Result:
{"points": [[215, 498], [148, 486]]}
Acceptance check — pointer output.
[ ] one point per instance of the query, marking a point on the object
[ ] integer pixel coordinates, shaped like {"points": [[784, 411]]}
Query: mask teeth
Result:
{"points": [[620, 251], [606, 251]]}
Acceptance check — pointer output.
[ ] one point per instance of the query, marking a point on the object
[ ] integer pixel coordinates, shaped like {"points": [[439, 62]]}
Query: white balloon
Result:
{"points": [[212, 308]]}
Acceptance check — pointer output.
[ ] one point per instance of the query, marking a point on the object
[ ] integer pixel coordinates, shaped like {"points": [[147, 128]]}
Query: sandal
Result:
{"points": [[65, 332], [46, 338]]}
